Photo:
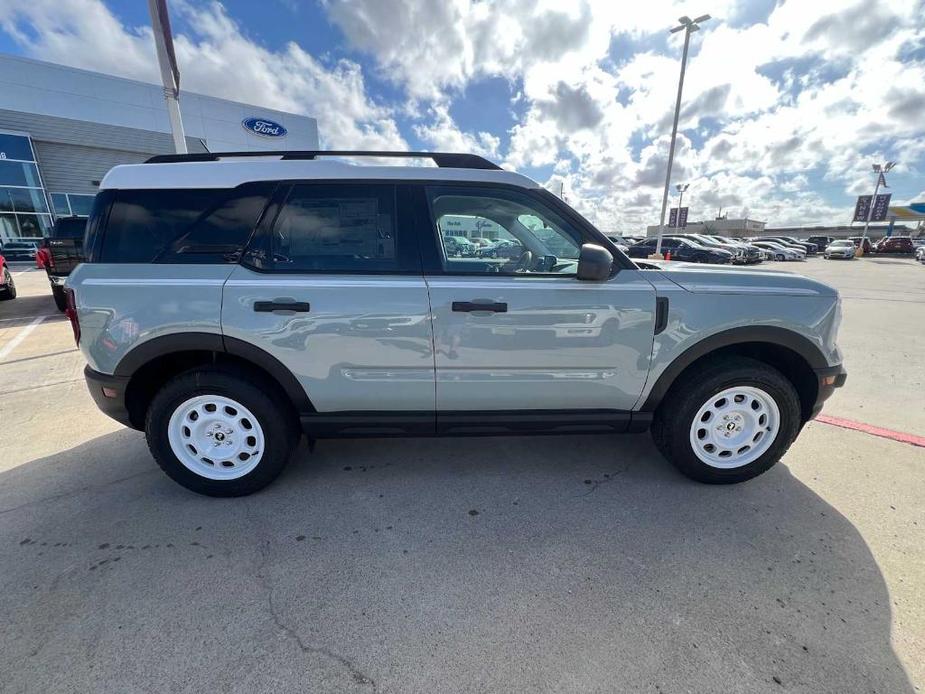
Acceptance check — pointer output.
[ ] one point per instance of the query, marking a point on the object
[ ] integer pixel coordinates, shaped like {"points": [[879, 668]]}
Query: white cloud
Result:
{"points": [[781, 116], [442, 134], [788, 100], [216, 58]]}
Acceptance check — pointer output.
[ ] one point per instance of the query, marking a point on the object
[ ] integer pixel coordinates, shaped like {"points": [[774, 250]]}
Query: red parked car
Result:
{"points": [[895, 244], [7, 285]]}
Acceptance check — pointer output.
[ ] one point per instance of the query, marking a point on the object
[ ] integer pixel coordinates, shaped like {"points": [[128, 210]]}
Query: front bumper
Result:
{"points": [[108, 392], [830, 378]]}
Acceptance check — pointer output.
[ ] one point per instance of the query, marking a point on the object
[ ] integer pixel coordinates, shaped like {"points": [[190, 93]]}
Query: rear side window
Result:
{"points": [[181, 225], [69, 228], [337, 228]]}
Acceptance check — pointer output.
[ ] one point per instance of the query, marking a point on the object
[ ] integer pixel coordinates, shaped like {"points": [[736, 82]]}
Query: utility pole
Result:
{"points": [[880, 170], [170, 73], [688, 26]]}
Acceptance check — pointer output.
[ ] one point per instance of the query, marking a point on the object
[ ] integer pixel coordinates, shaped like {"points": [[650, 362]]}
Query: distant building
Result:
{"points": [[62, 129], [722, 227]]}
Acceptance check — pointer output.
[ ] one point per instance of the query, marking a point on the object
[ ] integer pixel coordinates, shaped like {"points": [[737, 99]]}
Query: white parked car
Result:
{"points": [[843, 248], [780, 251]]}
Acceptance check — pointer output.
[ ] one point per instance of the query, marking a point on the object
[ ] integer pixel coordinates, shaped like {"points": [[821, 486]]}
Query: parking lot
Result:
{"points": [[497, 564]]}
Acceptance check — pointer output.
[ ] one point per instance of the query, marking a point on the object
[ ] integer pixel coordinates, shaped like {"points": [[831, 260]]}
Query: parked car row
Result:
{"points": [[697, 248]]}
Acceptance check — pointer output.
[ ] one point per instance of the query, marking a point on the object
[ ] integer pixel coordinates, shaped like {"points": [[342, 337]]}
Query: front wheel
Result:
{"points": [[218, 433], [727, 422]]}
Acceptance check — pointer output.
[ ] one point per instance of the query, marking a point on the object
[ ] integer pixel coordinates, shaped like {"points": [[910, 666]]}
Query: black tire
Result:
{"points": [[279, 424], [59, 296], [671, 425], [779, 257], [10, 292]]}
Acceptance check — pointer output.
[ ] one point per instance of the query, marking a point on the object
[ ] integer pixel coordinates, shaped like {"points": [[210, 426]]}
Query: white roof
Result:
{"points": [[229, 173]]}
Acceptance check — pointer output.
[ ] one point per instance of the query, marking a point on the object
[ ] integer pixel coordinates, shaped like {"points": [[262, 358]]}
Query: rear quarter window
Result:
{"points": [[185, 225]]}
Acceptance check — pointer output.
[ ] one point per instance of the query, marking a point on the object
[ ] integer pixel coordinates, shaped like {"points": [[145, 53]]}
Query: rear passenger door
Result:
{"points": [[332, 287]]}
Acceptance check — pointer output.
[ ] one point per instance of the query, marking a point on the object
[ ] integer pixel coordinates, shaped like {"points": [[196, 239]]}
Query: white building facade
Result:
{"points": [[62, 129]]}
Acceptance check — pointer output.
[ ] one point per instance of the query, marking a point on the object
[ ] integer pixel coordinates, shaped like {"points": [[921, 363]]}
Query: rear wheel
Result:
{"points": [[219, 433], [59, 296], [729, 421]]}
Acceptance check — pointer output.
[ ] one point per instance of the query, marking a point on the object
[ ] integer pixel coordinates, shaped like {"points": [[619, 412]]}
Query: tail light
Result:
{"points": [[71, 313]]}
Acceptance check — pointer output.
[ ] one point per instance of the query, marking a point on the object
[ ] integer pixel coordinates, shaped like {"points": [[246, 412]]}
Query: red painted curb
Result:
{"points": [[900, 436]]}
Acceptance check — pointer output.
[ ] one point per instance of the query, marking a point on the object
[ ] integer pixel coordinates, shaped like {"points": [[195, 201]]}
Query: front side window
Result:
{"points": [[336, 228], [521, 234]]}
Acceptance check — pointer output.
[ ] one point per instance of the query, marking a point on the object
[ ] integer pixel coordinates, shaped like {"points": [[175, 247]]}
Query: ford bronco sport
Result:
{"points": [[231, 302]]}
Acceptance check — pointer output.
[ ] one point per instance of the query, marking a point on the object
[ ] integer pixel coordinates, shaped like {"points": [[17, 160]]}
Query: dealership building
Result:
{"points": [[62, 129]]}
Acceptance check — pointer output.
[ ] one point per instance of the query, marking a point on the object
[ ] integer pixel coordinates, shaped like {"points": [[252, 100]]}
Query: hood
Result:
{"points": [[721, 279]]}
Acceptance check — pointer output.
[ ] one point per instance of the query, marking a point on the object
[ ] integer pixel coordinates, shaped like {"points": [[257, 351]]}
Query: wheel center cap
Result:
{"points": [[219, 436]]}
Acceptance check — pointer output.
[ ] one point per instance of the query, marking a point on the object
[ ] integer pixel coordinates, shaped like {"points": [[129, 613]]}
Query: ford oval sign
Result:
{"points": [[264, 127]]}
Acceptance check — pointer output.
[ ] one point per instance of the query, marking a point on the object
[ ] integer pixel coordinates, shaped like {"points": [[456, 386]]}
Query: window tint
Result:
{"points": [[69, 228], [336, 228], [181, 225], [527, 236]]}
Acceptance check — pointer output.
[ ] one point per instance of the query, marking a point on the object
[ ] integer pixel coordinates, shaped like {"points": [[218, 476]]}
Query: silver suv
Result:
{"points": [[231, 303]]}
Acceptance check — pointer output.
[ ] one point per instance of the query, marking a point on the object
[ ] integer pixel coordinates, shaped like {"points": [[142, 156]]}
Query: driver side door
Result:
{"points": [[522, 333]]}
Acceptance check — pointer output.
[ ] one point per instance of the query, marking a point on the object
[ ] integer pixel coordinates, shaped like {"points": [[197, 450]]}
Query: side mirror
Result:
{"points": [[594, 263]]}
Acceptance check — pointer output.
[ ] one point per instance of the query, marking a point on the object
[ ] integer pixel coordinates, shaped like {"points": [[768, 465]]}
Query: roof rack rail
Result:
{"points": [[442, 159]]}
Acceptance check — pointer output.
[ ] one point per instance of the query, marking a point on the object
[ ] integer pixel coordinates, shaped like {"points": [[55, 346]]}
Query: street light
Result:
{"points": [[879, 169], [689, 26]]}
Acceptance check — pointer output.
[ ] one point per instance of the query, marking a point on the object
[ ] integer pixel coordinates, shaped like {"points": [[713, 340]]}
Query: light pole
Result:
{"points": [[879, 169], [681, 188], [689, 26]]}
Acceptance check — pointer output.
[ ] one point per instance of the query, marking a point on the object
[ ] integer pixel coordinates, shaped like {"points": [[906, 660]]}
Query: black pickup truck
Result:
{"points": [[64, 252]]}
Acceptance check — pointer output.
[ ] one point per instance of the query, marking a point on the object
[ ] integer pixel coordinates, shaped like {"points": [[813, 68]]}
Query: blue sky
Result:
{"points": [[786, 104]]}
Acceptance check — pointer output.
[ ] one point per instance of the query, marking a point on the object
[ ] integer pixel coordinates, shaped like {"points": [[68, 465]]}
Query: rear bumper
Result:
{"points": [[108, 392], [830, 378]]}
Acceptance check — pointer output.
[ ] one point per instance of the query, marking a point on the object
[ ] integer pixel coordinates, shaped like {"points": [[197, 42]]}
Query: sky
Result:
{"points": [[786, 103]]}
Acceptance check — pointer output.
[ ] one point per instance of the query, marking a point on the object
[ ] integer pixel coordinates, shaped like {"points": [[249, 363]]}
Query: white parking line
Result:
{"points": [[19, 337], [22, 318]]}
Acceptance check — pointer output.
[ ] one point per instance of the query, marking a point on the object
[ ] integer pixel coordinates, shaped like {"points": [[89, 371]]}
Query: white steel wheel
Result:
{"points": [[216, 437], [735, 427]]}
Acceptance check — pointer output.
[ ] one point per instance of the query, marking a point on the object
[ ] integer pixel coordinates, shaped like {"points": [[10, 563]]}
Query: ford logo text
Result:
{"points": [[264, 127]]}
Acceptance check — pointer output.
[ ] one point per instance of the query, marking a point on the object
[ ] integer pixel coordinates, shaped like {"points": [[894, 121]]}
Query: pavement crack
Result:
{"points": [[358, 676]]}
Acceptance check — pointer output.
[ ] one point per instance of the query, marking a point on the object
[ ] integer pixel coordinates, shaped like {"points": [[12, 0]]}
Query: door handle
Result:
{"points": [[469, 306], [270, 306]]}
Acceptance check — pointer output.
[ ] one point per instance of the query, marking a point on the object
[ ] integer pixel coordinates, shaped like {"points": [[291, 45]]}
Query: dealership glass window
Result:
{"points": [[81, 204], [15, 147], [28, 199], [60, 204], [19, 173], [71, 204], [21, 189]]}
